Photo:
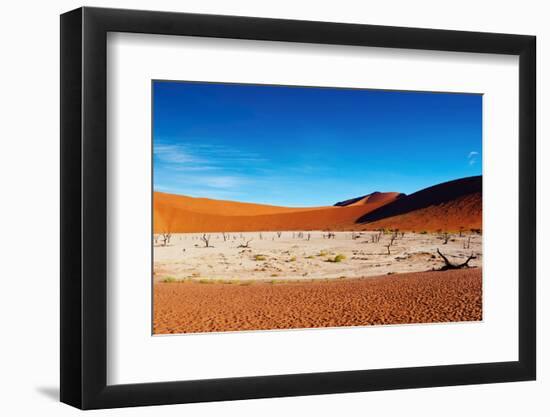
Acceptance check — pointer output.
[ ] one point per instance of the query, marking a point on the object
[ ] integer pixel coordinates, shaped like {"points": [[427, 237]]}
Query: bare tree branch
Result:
{"points": [[450, 265]]}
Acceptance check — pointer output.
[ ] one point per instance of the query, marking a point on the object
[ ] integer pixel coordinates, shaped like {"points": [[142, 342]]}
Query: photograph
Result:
{"points": [[295, 207]]}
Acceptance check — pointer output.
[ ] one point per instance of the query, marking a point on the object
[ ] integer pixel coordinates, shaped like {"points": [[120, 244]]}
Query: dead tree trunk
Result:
{"points": [[449, 265], [245, 245], [166, 238], [206, 240]]}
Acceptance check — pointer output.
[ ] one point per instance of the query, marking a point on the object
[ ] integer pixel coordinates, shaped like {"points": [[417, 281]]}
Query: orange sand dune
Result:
{"points": [[221, 207], [461, 213], [448, 206], [375, 197], [180, 214]]}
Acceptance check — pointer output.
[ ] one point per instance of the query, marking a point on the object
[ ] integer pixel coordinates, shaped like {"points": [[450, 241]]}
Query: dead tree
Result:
{"points": [[446, 236], [392, 238], [388, 248], [279, 234], [245, 245], [309, 236], [224, 236], [466, 245], [166, 238], [206, 239], [449, 265], [461, 229]]}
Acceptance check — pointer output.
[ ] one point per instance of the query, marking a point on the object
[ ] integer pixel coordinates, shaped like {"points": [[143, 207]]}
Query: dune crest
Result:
{"points": [[448, 206]]}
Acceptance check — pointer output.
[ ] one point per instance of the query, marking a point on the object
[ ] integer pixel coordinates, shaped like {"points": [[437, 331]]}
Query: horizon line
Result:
{"points": [[326, 205]]}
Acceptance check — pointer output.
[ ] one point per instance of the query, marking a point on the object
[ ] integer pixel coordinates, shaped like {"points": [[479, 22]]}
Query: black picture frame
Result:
{"points": [[84, 207]]}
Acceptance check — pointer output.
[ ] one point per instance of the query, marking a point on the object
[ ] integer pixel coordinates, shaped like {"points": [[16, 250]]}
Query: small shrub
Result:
{"points": [[337, 258], [293, 259], [169, 280], [423, 232], [259, 258], [323, 253]]}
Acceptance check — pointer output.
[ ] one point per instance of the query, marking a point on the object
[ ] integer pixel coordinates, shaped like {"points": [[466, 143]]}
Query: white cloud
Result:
{"points": [[175, 154], [223, 181], [204, 169], [472, 157]]}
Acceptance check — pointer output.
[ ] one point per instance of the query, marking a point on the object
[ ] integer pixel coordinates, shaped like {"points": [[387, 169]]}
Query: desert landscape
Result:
{"points": [[380, 258]]}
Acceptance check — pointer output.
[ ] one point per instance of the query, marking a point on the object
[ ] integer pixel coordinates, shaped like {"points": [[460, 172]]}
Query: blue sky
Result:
{"points": [[307, 146]]}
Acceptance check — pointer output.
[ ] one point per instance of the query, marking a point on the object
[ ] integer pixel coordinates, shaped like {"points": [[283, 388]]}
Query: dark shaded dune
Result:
{"points": [[381, 197], [352, 200], [436, 195], [463, 213], [374, 197]]}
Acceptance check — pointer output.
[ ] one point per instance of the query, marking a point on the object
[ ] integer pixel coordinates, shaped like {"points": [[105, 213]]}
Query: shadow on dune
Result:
{"points": [[435, 195]]}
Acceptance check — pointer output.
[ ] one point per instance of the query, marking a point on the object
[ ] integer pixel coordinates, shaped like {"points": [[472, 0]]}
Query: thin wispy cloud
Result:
{"points": [[472, 157], [210, 168], [174, 154]]}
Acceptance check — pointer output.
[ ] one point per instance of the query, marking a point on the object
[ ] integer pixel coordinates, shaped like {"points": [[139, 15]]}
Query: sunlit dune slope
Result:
{"points": [[221, 207], [176, 213]]}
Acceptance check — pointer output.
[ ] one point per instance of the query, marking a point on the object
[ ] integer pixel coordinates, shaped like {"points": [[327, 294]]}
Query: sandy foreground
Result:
{"points": [[305, 255], [435, 296]]}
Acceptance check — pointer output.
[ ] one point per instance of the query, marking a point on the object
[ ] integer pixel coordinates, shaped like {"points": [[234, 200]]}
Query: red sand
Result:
{"points": [[443, 296]]}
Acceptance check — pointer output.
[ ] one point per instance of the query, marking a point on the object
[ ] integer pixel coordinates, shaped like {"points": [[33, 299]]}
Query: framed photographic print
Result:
{"points": [[258, 208]]}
